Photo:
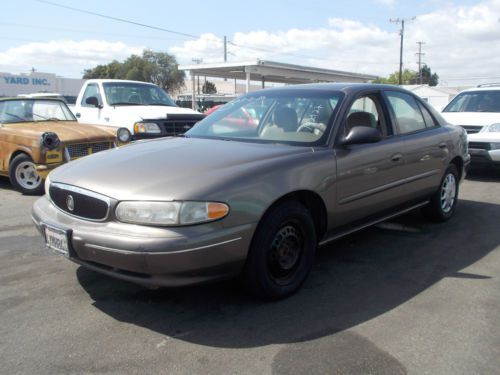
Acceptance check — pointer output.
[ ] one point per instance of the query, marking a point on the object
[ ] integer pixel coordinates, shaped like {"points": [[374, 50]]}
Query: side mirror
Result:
{"points": [[360, 135], [92, 100]]}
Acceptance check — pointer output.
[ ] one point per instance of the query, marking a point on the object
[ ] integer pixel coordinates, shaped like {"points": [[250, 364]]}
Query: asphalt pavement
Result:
{"points": [[406, 297]]}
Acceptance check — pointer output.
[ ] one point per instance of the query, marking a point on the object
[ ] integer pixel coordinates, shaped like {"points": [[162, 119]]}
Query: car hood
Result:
{"points": [[67, 131], [150, 112], [471, 118], [170, 168], [484, 137]]}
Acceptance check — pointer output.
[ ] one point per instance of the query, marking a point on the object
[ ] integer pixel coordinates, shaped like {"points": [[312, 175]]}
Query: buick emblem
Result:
{"points": [[70, 203]]}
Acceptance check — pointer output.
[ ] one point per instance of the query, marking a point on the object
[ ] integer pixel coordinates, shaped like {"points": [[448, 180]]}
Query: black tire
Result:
{"points": [[282, 252], [23, 176], [444, 201]]}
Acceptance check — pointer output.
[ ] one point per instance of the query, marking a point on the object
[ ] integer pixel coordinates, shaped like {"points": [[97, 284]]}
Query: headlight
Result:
{"points": [[495, 145], [493, 128], [170, 213], [50, 140], [123, 135], [146, 128]]}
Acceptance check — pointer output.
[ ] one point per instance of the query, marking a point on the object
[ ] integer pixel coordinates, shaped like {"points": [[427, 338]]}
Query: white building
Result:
{"points": [[437, 96], [15, 84]]}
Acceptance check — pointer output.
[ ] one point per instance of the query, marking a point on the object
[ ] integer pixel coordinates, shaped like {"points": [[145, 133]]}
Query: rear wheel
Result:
{"points": [[282, 252], [24, 177], [443, 202]]}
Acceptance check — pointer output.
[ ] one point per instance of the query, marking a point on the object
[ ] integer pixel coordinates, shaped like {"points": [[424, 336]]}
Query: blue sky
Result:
{"points": [[345, 35]]}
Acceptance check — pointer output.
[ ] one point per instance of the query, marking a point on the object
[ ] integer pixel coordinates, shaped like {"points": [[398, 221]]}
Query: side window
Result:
{"points": [[408, 115], [366, 111], [90, 90], [429, 120]]}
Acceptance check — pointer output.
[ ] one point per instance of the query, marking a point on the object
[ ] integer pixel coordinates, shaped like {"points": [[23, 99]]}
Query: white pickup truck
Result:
{"points": [[143, 108]]}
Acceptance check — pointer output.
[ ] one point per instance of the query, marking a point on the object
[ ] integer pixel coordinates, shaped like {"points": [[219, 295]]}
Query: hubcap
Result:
{"points": [[26, 175], [285, 253], [448, 193]]}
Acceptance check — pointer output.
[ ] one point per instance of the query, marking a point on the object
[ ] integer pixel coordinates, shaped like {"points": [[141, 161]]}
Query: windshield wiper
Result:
{"points": [[125, 103], [15, 116], [162, 104], [46, 118]]}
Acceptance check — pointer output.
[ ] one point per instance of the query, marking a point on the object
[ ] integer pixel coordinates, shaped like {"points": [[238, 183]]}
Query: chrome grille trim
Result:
{"points": [[88, 193]]}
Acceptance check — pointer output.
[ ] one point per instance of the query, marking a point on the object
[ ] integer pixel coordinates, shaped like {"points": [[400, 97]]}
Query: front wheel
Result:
{"points": [[282, 252], [444, 201], [24, 177]]}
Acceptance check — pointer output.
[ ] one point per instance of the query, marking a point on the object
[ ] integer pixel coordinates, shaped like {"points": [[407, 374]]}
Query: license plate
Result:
{"points": [[57, 240]]}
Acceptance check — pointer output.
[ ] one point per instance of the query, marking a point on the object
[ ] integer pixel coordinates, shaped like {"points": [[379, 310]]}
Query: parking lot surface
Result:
{"points": [[404, 297]]}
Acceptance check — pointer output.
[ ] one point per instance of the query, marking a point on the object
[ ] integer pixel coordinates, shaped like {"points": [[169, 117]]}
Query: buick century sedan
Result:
{"points": [[39, 134], [227, 200]]}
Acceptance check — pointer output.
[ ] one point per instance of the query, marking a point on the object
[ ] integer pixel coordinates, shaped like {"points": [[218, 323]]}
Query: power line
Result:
{"points": [[118, 19]]}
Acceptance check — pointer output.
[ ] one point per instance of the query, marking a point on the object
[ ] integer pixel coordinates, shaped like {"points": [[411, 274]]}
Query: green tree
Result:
{"points": [[209, 88], [432, 79], [159, 68], [409, 77]]}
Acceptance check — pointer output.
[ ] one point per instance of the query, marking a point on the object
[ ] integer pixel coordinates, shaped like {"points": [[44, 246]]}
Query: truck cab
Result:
{"points": [[143, 108]]}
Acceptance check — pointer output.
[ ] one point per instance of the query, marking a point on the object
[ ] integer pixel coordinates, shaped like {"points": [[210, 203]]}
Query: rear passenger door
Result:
{"points": [[425, 142]]}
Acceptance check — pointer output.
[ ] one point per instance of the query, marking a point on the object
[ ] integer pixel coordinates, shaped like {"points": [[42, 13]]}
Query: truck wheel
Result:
{"points": [[23, 176], [443, 202], [282, 252]]}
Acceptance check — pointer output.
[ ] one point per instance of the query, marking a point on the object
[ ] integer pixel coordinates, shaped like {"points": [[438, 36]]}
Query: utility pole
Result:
{"points": [[225, 48], [402, 34], [420, 54]]}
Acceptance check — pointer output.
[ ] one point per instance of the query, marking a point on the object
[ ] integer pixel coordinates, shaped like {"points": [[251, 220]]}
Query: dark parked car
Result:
{"points": [[226, 200]]}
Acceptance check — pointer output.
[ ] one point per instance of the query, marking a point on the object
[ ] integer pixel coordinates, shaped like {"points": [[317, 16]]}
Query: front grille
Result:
{"points": [[86, 204], [177, 127], [471, 129], [83, 149], [480, 145]]}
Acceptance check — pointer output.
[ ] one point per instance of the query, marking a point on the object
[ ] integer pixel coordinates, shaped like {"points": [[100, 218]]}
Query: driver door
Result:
{"points": [[370, 175]]}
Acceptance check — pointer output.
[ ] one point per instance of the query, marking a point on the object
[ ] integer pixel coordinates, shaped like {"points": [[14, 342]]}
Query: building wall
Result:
{"points": [[15, 84]]}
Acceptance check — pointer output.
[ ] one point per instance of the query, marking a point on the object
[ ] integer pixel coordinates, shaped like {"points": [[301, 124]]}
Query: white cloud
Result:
{"points": [[460, 41], [63, 57], [386, 2]]}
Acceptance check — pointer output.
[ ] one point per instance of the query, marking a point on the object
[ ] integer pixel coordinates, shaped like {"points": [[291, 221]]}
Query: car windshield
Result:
{"points": [[475, 101], [132, 93], [296, 117], [28, 110]]}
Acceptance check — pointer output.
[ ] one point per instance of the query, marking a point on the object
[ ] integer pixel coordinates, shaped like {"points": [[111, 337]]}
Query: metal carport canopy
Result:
{"points": [[271, 71]]}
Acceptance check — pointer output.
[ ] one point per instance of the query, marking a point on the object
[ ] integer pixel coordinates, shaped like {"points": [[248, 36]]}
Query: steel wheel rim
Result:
{"points": [[285, 253], [448, 193], [26, 175]]}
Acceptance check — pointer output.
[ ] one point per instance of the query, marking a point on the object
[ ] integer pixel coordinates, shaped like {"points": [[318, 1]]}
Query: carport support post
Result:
{"points": [[193, 90], [247, 89], [263, 82]]}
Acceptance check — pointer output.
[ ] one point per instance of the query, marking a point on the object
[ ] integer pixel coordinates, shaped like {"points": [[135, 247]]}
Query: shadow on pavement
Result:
{"points": [[484, 174], [5, 183], [354, 280]]}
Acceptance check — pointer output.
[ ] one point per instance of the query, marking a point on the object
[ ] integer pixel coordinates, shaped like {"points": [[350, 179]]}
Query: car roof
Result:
{"points": [[19, 98], [346, 87], [109, 80], [488, 87]]}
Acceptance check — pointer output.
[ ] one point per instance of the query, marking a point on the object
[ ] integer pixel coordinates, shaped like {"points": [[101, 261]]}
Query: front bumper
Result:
{"points": [[484, 157], [150, 256]]}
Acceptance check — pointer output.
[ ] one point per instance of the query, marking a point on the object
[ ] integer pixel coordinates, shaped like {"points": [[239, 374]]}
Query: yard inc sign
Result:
{"points": [[20, 80]]}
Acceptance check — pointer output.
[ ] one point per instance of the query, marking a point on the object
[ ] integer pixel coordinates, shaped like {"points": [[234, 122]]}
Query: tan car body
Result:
{"points": [[16, 138]]}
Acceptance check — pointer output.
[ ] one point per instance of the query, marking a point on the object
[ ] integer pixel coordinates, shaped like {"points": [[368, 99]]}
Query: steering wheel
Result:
{"points": [[312, 127]]}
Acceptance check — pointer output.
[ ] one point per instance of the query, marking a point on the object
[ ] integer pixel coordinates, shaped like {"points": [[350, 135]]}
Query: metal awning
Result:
{"points": [[271, 71]]}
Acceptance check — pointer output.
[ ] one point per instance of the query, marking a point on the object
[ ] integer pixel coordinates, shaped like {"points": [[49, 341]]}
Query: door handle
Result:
{"points": [[396, 157], [78, 115], [442, 145]]}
